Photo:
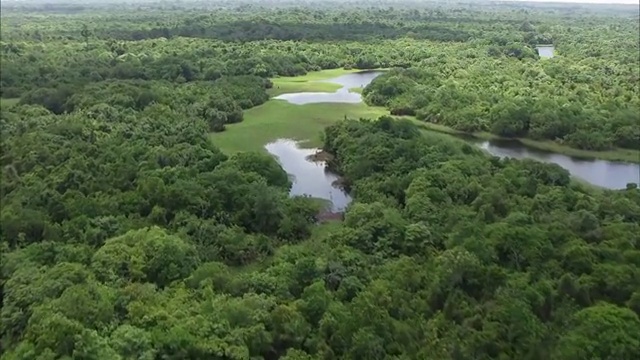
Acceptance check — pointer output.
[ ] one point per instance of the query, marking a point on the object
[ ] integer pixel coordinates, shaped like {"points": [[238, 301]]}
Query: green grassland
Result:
{"points": [[311, 82], [8, 102], [285, 87], [277, 119]]}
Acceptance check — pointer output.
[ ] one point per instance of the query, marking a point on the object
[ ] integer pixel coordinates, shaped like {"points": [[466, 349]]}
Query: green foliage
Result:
{"points": [[521, 98], [490, 271], [126, 233]]}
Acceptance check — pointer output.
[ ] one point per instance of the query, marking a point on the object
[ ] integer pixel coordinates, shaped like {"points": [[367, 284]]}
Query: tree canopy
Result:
{"points": [[126, 233]]}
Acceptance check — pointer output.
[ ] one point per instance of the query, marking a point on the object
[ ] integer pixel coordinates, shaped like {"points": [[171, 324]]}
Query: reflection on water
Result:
{"points": [[309, 177], [348, 81], [607, 174], [545, 51]]}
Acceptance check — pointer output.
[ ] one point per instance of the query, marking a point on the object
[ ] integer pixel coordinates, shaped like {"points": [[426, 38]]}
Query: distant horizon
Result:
{"points": [[601, 2], [612, 2]]}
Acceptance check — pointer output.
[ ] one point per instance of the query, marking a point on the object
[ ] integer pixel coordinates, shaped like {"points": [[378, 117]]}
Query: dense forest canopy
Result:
{"points": [[481, 57], [126, 233]]}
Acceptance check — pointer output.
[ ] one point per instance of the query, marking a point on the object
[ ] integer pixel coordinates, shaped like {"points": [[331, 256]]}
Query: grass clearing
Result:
{"points": [[311, 82], [297, 87], [8, 102], [317, 75], [278, 119]]}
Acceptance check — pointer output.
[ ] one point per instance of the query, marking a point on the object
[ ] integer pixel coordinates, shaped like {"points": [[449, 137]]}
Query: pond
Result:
{"points": [[545, 51], [342, 95], [309, 177], [603, 173]]}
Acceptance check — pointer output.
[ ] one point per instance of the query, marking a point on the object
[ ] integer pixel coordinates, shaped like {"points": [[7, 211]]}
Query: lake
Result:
{"points": [[545, 51], [342, 95], [310, 178], [603, 173]]}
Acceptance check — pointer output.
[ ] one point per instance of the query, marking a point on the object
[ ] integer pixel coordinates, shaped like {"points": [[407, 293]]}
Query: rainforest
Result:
{"points": [[302, 180]]}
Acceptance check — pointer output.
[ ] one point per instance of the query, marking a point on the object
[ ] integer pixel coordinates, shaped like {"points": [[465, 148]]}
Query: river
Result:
{"points": [[311, 178], [603, 173]]}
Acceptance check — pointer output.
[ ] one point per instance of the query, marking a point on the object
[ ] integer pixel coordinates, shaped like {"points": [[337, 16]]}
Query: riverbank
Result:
{"points": [[320, 155], [624, 155]]}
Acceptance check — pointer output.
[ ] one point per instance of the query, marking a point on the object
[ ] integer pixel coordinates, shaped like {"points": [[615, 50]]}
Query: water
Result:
{"points": [[603, 173], [309, 177], [342, 95], [545, 51], [607, 174]]}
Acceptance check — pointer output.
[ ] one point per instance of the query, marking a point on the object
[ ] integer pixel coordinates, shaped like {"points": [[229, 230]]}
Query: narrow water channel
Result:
{"points": [[603, 173]]}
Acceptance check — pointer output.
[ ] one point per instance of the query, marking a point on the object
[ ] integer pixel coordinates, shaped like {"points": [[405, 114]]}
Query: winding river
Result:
{"points": [[313, 179], [310, 178]]}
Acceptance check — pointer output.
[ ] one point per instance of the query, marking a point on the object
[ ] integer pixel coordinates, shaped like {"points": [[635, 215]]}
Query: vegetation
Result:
{"points": [[280, 119], [140, 220], [584, 98]]}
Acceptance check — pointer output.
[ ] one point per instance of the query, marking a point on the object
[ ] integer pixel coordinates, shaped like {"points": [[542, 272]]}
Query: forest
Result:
{"points": [[473, 70], [131, 227]]}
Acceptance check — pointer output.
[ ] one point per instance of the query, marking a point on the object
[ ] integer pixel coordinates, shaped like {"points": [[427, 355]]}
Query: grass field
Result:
{"points": [[284, 87], [277, 119], [8, 102], [311, 82]]}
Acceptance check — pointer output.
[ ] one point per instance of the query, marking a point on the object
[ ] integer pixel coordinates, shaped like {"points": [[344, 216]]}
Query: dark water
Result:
{"points": [[607, 174], [342, 95], [309, 177], [545, 51]]}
